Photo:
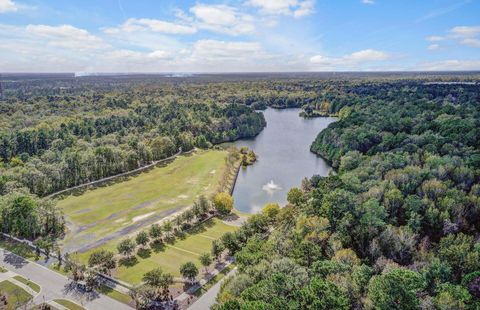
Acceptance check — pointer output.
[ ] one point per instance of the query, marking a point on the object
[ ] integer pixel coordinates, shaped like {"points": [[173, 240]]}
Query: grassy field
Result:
{"points": [[16, 296], [68, 304], [18, 248], [170, 256], [111, 212], [126, 299], [30, 284]]}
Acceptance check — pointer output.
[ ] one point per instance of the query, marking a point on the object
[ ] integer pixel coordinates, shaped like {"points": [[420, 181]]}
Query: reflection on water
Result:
{"points": [[284, 159]]}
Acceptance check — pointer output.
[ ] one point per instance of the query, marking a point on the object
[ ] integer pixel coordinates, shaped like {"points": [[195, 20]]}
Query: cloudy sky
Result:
{"points": [[238, 35]]}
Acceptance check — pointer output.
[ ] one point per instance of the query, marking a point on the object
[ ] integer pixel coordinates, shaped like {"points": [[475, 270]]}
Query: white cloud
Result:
{"points": [[8, 6], [155, 25], [305, 8], [465, 31], [471, 42], [434, 47], [223, 19], [368, 55], [368, 2], [67, 36], [350, 61], [213, 50], [435, 38], [449, 65], [295, 8], [43, 48], [464, 35]]}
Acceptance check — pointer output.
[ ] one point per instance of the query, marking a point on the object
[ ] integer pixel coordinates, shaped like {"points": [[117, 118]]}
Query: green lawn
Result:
{"points": [[126, 206], [110, 292], [170, 256], [30, 284], [16, 296], [68, 304], [18, 248]]}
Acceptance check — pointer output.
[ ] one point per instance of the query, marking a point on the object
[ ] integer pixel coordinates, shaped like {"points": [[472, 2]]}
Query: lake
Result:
{"points": [[284, 159]]}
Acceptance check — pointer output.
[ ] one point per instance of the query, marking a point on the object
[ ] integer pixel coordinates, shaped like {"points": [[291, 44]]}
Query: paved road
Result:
{"points": [[208, 299], [55, 285]]}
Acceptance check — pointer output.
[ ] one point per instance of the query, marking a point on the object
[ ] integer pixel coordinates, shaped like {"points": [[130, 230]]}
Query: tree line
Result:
{"points": [[395, 228]]}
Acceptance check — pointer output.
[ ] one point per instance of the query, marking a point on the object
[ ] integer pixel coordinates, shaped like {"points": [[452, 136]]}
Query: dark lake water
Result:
{"points": [[284, 159]]}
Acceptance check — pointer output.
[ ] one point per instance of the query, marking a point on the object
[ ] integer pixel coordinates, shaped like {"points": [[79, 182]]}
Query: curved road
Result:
{"points": [[208, 299], [56, 286]]}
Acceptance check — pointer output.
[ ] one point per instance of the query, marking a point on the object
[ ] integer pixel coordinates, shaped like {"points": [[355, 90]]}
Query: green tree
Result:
{"points": [[189, 271], [155, 232], [126, 247], [396, 289], [205, 260], [223, 203], [162, 147], [271, 210], [142, 239], [452, 297], [217, 249], [159, 280], [102, 260], [230, 242], [295, 196], [167, 227], [461, 252], [322, 295]]}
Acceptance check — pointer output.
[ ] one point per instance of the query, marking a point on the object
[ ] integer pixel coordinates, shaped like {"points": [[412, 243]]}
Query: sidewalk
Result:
{"points": [[53, 285], [202, 282]]}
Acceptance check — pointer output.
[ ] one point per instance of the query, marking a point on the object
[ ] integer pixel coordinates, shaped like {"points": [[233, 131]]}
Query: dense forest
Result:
{"points": [[397, 227], [57, 133]]}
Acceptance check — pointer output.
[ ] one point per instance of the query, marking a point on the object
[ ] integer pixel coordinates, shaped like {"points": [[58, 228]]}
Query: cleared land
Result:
{"points": [[16, 296], [106, 214], [170, 256]]}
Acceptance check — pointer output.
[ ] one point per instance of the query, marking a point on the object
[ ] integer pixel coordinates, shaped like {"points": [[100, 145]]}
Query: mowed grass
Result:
{"points": [[170, 256], [126, 206], [68, 304], [16, 296], [34, 286], [123, 298]]}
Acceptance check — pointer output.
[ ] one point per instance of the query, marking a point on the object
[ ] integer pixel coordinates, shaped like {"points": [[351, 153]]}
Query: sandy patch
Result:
{"points": [[213, 171], [120, 220], [183, 196], [141, 217]]}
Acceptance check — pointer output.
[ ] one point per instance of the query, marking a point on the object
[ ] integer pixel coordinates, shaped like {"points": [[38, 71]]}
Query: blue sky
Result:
{"points": [[238, 35]]}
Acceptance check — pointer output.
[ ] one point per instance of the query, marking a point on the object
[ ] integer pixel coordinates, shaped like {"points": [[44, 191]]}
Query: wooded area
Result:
{"points": [[396, 228]]}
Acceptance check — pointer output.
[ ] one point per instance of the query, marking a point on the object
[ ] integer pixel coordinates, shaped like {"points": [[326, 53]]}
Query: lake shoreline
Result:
{"points": [[285, 158]]}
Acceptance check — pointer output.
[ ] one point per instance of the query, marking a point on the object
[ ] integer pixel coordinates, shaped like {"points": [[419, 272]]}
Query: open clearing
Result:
{"points": [[106, 214], [169, 257]]}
